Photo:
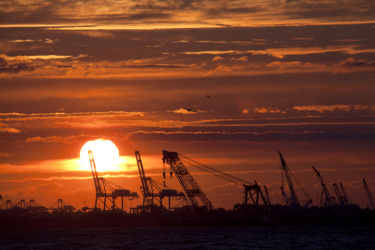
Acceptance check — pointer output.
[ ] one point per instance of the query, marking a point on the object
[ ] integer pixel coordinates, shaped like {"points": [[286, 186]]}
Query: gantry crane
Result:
{"points": [[151, 198], [34, 206], [107, 190], [292, 200], [61, 206], [9, 204], [253, 193], [329, 200], [369, 195], [147, 191]]}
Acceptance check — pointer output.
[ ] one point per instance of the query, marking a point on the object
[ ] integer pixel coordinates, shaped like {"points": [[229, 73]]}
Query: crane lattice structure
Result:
{"points": [[340, 196], [151, 190], [190, 186], [107, 191], [61, 206], [292, 199], [329, 200], [369, 195], [267, 196], [7, 205], [147, 189], [347, 200], [252, 192], [34, 206]]}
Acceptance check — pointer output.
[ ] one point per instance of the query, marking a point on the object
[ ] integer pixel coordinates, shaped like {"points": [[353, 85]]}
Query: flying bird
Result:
{"points": [[208, 96]]}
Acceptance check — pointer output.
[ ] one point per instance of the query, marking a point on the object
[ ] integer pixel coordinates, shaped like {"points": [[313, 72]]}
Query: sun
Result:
{"points": [[106, 155]]}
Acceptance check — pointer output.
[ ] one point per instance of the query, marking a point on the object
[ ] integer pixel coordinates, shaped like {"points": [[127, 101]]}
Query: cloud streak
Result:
{"points": [[232, 13]]}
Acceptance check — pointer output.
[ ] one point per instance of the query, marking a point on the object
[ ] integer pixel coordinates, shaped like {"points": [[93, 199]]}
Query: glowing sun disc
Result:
{"points": [[105, 152]]}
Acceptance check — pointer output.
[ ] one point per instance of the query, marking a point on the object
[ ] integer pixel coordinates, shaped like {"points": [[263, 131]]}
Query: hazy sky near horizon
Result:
{"points": [[288, 75]]}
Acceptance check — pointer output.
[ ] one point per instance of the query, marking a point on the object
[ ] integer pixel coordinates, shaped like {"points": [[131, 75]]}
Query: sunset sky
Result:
{"points": [[296, 76]]}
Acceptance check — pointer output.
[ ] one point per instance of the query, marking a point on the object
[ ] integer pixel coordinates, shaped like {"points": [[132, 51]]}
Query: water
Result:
{"points": [[257, 237]]}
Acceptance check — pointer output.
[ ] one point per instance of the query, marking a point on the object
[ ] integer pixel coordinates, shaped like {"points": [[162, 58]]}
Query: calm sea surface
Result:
{"points": [[257, 237]]}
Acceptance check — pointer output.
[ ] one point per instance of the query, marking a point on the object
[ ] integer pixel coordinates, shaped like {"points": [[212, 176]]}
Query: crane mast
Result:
{"points": [[285, 196], [267, 196], [94, 173], [329, 201], [346, 199], [369, 196], [342, 199], [190, 186], [293, 199], [106, 191], [148, 197]]}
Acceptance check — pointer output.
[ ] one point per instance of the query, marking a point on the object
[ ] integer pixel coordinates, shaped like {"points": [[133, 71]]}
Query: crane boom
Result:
{"points": [[293, 199], [369, 196], [329, 200], [190, 186], [344, 195], [268, 197], [106, 189], [340, 197], [94, 173], [148, 185], [145, 190]]}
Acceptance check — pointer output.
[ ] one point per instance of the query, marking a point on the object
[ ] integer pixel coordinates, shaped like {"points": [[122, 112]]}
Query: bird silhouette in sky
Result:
{"points": [[208, 96]]}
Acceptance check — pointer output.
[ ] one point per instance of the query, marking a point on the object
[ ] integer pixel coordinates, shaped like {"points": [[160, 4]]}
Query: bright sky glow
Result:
{"points": [[106, 155]]}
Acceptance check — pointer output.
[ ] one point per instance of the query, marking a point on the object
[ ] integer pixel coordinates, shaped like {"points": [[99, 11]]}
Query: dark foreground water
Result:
{"points": [[257, 237]]}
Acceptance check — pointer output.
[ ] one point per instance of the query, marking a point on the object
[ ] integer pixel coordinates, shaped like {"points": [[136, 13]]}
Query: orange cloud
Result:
{"points": [[185, 111], [58, 139], [336, 107], [264, 110], [217, 58], [2, 154], [351, 65], [243, 59], [9, 130]]}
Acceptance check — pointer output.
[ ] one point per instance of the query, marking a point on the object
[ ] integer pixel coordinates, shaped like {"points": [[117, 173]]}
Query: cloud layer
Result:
{"points": [[227, 83]]}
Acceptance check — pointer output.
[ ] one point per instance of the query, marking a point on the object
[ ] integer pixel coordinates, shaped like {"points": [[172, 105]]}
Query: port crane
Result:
{"points": [[151, 198], [292, 200], [329, 200], [369, 195], [191, 188], [8, 204], [252, 192], [106, 191], [340, 195], [344, 194], [61, 206], [267, 196], [32, 205]]}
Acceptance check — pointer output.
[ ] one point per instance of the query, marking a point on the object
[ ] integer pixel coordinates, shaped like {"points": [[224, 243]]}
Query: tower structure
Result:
{"points": [[106, 191], [292, 199], [191, 188], [153, 193], [329, 200]]}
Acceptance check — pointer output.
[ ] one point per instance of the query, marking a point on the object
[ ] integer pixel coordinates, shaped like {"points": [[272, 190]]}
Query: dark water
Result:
{"points": [[277, 237]]}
